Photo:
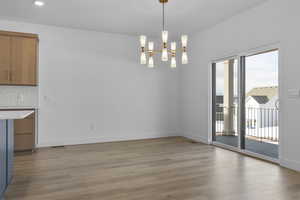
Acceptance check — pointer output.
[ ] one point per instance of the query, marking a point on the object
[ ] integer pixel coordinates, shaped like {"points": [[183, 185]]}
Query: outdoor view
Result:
{"points": [[261, 103]]}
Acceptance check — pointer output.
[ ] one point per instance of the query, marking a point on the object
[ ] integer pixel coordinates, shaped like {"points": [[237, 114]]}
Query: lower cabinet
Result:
{"points": [[6, 154], [24, 130]]}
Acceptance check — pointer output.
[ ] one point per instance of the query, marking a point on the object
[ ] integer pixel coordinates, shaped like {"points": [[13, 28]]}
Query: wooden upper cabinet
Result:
{"points": [[18, 58], [23, 61], [4, 59]]}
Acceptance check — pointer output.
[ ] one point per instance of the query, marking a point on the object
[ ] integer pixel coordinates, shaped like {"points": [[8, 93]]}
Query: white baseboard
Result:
{"points": [[196, 137], [294, 165], [107, 138]]}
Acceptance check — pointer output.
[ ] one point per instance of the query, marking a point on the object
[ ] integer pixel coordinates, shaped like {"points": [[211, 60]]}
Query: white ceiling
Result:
{"points": [[132, 17]]}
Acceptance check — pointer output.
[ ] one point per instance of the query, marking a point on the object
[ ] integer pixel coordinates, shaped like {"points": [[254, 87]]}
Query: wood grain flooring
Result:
{"points": [[156, 169]]}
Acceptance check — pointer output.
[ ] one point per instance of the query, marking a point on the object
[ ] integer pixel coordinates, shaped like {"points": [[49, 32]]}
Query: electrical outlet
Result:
{"points": [[92, 127], [20, 99]]}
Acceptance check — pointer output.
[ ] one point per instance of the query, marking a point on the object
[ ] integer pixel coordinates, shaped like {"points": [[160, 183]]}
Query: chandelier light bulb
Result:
{"points": [[165, 36], [184, 58], [164, 55], [173, 62], [143, 40], [151, 46], [39, 3], [184, 40], [173, 46], [143, 58], [151, 62]]}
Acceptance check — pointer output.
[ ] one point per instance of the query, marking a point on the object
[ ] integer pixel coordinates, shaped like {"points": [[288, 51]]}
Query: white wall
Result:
{"points": [[276, 21], [93, 89]]}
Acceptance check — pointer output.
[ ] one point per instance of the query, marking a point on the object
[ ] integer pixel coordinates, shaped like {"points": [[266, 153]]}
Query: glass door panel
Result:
{"points": [[225, 102], [261, 104]]}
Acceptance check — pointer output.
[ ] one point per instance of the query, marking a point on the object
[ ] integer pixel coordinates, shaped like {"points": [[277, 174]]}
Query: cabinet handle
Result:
{"points": [[10, 75]]}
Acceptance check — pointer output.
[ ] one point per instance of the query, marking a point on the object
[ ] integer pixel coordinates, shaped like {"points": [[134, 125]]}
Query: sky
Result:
{"points": [[261, 71]]}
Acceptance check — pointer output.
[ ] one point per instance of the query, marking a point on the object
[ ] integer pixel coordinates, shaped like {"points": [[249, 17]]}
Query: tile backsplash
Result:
{"points": [[18, 96]]}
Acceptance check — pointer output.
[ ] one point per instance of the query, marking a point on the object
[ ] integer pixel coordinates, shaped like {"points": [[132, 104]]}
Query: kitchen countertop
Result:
{"points": [[18, 108], [15, 114]]}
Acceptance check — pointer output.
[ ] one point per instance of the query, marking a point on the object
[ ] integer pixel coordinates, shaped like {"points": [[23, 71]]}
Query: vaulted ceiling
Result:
{"points": [[132, 17]]}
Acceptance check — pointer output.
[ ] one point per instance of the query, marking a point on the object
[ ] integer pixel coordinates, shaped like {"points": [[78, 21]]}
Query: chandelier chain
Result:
{"points": [[163, 4]]}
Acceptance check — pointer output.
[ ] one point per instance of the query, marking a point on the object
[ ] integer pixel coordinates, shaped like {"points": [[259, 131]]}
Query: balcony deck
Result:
{"points": [[253, 145]]}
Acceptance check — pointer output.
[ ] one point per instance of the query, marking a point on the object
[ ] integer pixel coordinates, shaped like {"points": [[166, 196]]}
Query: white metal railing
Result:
{"points": [[261, 123]]}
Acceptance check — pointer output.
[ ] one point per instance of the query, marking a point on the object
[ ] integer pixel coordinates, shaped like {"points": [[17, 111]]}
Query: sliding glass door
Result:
{"points": [[262, 103], [245, 104], [226, 102]]}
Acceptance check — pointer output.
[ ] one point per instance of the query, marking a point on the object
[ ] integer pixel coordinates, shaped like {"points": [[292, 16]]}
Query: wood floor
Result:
{"points": [[156, 169]]}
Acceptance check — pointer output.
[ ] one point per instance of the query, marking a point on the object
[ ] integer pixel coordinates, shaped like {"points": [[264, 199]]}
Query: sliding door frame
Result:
{"points": [[213, 101], [213, 105], [241, 102], [241, 57]]}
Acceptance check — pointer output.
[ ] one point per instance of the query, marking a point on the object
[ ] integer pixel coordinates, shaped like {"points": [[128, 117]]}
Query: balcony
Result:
{"points": [[262, 134]]}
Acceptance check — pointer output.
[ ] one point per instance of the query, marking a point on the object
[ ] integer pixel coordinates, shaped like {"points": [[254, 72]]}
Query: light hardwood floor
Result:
{"points": [[156, 169]]}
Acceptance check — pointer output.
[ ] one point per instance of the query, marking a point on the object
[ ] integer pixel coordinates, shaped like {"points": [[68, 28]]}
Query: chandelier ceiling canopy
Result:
{"points": [[164, 50]]}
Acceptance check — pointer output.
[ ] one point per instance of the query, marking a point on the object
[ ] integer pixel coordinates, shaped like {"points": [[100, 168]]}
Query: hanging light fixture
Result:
{"points": [[165, 51]]}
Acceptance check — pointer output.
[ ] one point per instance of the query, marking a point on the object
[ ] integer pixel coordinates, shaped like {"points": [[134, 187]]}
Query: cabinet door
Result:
{"points": [[3, 162], [4, 59], [24, 133], [23, 61]]}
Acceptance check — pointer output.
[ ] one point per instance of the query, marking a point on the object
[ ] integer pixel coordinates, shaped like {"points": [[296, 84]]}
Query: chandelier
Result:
{"points": [[165, 51]]}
